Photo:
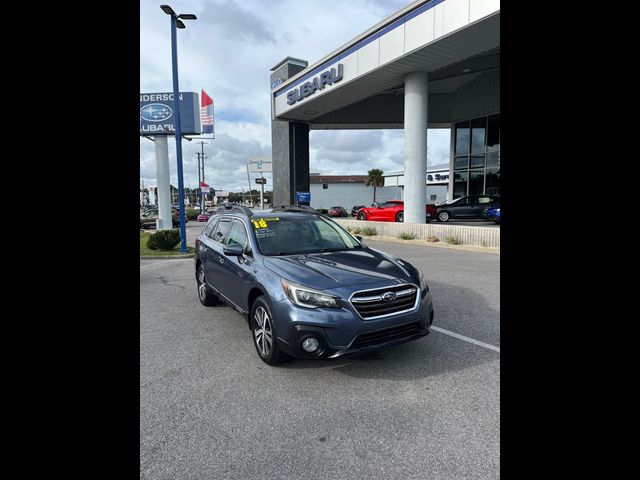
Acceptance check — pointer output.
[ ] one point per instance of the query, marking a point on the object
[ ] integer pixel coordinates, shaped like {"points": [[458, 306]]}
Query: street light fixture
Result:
{"points": [[177, 23]]}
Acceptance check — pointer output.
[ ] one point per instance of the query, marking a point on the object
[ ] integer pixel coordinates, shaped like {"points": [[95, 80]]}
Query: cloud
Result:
{"points": [[236, 23]]}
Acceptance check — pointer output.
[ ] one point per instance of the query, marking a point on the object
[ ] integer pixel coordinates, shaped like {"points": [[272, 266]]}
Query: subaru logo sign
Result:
{"points": [[155, 112], [389, 297], [276, 83]]}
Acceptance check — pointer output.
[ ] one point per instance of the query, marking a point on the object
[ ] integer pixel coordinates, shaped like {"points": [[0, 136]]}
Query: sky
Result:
{"points": [[229, 52]]}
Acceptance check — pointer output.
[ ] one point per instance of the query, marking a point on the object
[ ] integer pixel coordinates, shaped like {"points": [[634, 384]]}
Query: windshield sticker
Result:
{"points": [[265, 232], [262, 223]]}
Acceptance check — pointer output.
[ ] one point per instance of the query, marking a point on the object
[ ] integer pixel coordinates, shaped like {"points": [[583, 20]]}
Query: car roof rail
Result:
{"points": [[228, 208], [296, 208]]}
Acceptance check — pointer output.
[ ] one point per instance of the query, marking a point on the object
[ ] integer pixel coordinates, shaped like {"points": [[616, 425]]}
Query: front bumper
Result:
{"points": [[342, 332]]}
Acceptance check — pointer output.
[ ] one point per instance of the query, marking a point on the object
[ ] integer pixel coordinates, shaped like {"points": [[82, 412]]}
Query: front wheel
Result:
{"points": [[207, 298], [400, 217], [443, 216], [362, 216], [264, 333]]}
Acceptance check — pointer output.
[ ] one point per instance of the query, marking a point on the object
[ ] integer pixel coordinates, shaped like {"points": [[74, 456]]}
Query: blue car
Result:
{"points": [[307, 287], [494, 215]]}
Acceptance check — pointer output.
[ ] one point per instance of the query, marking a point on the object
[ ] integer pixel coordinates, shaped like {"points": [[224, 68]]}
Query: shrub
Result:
{"points": [[452, 240], [406, 236], [354, 230], [432, 238], [369, 231], [164, 240], [191, 213]]}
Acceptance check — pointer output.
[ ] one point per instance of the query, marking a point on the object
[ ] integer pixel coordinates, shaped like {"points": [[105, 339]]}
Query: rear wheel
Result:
{"points": [[362, 216], [400, 217], [264, 333], [207, 298], [443, 216]]}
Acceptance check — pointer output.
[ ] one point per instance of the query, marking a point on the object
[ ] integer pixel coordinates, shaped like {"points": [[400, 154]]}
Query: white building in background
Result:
{"points": [[437, 182], [347, 191]]}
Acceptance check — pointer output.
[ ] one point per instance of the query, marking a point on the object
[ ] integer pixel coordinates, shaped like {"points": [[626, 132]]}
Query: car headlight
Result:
{"points": [[308, 297]]}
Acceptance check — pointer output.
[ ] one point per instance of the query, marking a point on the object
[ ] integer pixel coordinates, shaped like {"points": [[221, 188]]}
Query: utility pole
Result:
{"points": [[249, 182], [199, 186], [201, 157]]}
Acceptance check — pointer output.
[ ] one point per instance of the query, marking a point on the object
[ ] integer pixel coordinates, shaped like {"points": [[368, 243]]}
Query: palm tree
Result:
{"points": [[374, 179]]}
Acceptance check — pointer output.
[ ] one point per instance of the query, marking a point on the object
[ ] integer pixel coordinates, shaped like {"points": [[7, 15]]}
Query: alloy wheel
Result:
{"points": [[263, 333], [202, 286]]}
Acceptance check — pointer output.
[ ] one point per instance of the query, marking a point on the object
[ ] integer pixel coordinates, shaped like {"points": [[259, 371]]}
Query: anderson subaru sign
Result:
{"points": [[157, 116]]}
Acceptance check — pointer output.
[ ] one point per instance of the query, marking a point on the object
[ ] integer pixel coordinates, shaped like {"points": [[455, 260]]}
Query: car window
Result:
{"points": [[308, 234], [209, 228], [220, 233], [484, 199], [237, 234]]}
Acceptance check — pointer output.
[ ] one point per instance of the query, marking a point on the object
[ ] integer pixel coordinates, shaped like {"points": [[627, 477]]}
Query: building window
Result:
{"points": [[477, 157], [459, 184], [325, 186]]}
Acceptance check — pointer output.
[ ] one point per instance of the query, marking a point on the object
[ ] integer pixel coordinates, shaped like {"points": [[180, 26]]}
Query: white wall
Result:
{"points": [[349, 194]]}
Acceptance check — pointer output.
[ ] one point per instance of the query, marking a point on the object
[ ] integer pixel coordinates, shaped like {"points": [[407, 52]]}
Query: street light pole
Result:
{"points": [[177, 23]]}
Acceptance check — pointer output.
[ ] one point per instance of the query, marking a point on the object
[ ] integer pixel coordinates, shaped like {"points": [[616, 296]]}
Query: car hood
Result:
{"points": [[340, 269]]}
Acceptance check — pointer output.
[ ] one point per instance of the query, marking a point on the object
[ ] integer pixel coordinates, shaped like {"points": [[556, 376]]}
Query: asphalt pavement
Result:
{"points": [[428, 409]]}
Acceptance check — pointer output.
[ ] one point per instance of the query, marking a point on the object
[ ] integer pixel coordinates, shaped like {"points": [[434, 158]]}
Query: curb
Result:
{"points": [[165, 257], [466, 248]]}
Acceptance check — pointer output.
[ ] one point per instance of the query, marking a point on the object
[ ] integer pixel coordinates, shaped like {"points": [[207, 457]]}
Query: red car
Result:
{"points": [[391, 211], [337, 212], [203, 217]]}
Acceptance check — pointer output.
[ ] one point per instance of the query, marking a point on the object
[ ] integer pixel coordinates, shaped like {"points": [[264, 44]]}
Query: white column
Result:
{"points": [[415, 147], [452, 149], [162, 177]]}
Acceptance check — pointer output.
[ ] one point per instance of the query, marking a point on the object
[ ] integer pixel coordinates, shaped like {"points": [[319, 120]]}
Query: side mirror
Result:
{"points": [[233, 250], [359, 237]]}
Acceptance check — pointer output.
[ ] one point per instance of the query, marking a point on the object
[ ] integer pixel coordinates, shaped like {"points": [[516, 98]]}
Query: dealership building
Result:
{"points": [[433, 64]]}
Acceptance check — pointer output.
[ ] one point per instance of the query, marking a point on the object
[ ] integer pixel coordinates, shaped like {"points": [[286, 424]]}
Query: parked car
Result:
{"points": [[469, 206], [203, 217], [355, 209], [337, 212], [493, 214], [148, 218], [307, 287], [391, 211]]}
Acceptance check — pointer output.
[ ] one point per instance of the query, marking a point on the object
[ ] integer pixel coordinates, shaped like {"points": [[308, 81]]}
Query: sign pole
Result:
{"points": [[162, 174], [249, 182], [261, 192]]}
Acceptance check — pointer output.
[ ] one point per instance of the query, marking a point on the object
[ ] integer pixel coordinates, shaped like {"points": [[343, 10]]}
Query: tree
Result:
{"points": [[374, 179]]}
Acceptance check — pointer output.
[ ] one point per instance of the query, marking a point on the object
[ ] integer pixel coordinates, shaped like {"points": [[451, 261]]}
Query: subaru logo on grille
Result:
{"points": [[155, 112], [389, 297]]}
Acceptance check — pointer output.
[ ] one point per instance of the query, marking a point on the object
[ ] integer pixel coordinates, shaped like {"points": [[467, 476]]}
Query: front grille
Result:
{"points": [[371, 304], [382, 336]]}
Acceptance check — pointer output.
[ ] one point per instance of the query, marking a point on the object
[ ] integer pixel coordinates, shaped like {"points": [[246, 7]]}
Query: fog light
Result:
{"points": [[310, 344]]}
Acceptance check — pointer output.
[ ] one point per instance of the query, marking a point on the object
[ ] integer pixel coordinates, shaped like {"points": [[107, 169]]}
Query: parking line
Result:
{"points": [[466, 339]]}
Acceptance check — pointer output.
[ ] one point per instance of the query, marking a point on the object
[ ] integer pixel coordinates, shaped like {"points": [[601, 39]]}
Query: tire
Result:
{"points": [[205, 296], [361, 216], [443, 216], [261, 315], [400, 217]]}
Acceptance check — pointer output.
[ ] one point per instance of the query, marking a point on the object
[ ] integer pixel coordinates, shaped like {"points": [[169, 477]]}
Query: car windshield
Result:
{"points": [[294, 235], [455, 200]]}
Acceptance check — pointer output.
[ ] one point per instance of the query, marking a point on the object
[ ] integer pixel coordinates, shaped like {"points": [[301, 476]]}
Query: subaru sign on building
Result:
{"points": [[158, 118]]}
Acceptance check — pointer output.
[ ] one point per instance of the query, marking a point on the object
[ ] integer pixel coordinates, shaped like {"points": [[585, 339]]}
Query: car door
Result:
{"points": [[236, 272], [484, 202], [213, 255], [464, 208]]}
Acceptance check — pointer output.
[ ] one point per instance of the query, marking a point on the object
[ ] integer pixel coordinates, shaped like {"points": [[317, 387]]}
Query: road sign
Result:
{"points": [[260, 164], [303, 197], [261, 181], [157, 115]]}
